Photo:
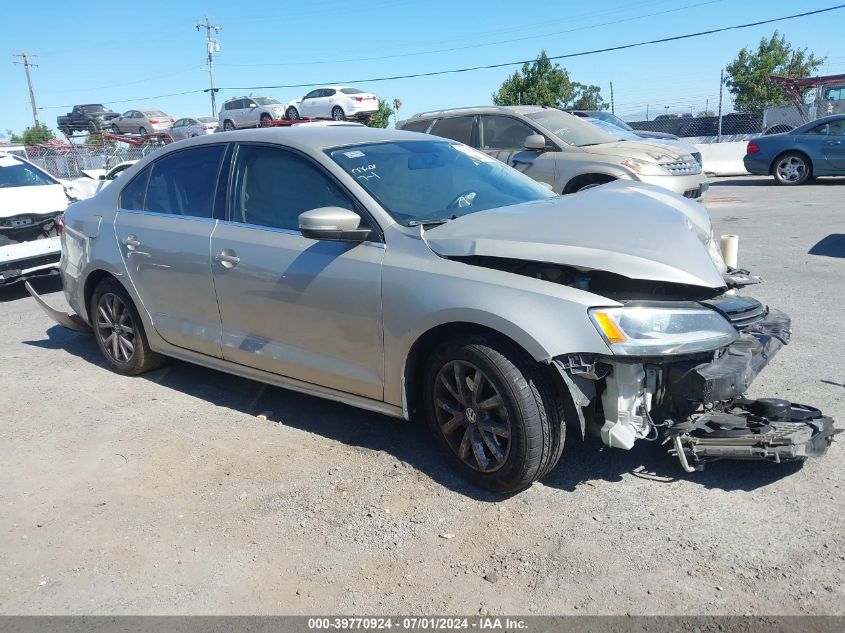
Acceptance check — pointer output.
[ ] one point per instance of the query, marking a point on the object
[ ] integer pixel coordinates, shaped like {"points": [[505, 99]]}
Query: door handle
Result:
{"points": [[227, 259], [834, 142], [131, 242]]}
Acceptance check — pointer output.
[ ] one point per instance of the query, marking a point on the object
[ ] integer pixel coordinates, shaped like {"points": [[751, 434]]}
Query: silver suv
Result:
{"points": [[415, 276], [242, 112], [560, 149]]}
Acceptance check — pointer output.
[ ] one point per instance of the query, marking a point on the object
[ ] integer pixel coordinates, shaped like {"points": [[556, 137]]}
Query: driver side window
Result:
{"points": [[273, 186], [502, 132]]}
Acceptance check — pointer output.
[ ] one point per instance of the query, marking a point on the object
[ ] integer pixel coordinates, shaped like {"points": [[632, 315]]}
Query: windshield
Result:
{"points": [[613, 131], [352, 91], [571, 129], [614, 120], [153, 113], [418, 181], [207, 119], [94, 108], [265, 101], [14, 173]]}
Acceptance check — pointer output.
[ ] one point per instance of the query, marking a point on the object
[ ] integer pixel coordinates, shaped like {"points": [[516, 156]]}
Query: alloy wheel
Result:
{"points": [[115, 328], [791, 169], [337, 114], [472, 417]]}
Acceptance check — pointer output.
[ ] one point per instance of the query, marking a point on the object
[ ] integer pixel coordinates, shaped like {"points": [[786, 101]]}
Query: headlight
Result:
{"points": [[644, 167], [641, 331], [715, 251]]}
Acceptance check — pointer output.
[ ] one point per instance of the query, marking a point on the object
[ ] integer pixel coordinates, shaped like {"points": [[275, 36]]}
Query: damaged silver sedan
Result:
{"points": [[419, 278]]}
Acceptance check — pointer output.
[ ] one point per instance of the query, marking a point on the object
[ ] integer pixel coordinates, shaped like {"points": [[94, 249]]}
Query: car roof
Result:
{"points": [[311, 137], [524, 109]]}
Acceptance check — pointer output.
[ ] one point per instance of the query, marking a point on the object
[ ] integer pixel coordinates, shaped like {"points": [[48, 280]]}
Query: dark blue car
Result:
{"points": [[814, 149]]}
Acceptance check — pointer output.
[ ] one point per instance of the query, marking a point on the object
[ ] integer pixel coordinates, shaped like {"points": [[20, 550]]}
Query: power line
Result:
{"points": [[26, 66], [566, 56], [502, 64], [481, 45]]}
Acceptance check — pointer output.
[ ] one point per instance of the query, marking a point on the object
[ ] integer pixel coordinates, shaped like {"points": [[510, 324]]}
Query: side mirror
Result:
{"points": [[253, 105], [535, 141], [332, 223], [102, 176]]}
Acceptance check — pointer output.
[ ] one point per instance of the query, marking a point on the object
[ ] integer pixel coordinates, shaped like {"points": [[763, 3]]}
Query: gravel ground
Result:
{"points": [[168, 494]]}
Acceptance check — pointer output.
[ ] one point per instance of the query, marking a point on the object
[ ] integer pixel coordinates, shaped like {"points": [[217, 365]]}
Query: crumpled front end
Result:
{"points": [[695, 402]]}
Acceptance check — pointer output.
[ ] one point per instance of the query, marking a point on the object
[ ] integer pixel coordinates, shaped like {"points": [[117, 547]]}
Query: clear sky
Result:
{"points": [[120, 53]]}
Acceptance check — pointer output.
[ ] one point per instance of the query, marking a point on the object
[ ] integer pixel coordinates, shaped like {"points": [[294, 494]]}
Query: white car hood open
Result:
{"points": [[637, 231], [38, 199]]}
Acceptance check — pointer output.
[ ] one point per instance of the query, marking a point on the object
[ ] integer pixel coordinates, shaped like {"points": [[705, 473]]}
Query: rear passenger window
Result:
{"points": [[273, 186], [458, 128], [132, 196], [417, 126], [183, 183]]}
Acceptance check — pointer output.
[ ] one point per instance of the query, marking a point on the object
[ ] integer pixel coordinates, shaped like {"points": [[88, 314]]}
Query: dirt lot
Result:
{"points": [[167, 494]]}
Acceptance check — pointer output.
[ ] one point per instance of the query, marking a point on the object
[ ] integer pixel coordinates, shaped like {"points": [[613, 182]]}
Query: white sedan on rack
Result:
{"points": [[333, 102]]}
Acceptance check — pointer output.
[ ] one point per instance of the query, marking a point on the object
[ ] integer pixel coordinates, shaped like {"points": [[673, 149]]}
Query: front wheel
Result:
{"points": [[337, 114], [228, 126], [792, 169], [493, 412], [119, 331]]}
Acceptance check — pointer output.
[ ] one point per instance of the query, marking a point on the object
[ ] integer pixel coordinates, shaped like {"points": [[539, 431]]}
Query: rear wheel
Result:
{"points": [[265, 118], [493, 412], [228, 125], [337, 114], [119, 331], [142, 131], [292, 114], [792, 168], [115, 129]]}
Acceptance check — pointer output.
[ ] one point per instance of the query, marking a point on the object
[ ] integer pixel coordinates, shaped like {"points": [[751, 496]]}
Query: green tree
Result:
{"points": [[545, 83], [748, 75], [589, 98], [381, 118], [706, 113], [32, 135]]}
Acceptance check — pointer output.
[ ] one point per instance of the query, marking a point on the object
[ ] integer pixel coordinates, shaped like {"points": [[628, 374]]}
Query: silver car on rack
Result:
{"points": [[418, 277], [561, 149]]}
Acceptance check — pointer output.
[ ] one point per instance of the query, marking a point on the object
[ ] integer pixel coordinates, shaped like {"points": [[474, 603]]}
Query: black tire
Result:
{"points": [[228, 126], [92, 127], [142, 131], [265, 117], [337, 114], [528, 408], [590, 182], [115, 129], [792, 169], [122, 315], [292, 114]]}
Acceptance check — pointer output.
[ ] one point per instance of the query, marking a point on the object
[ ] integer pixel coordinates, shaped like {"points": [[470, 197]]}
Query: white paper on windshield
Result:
{"points": [[353, 154], [9, 161]]}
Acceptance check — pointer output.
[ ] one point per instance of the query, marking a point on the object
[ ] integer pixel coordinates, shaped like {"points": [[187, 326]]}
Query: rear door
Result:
{"points": [[503, 138], [163, 227], [293, 306]]}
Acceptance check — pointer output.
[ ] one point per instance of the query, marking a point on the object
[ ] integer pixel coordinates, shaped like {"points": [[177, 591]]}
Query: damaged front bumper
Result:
{"points": [[696, 403]]}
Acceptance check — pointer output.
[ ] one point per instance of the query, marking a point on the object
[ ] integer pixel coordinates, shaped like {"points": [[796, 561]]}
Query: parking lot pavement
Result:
{"points": [[168, 494]]}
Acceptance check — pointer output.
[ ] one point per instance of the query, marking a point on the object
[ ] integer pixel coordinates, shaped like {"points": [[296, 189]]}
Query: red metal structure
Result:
{"points": [[794, 88]]}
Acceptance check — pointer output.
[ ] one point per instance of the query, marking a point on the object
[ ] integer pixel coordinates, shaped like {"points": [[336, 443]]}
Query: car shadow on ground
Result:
{"points": [[43, 285], [831, 246], [411, 443], [754, 181]]}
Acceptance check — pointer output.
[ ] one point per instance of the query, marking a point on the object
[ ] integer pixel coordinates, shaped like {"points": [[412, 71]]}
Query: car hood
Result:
{"points": [[36, 199], [637, 231], [641, 150]]}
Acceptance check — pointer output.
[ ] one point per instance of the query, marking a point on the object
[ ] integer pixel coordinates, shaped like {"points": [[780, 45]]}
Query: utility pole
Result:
{"points": [[26, 66], [719, 128], [612, 106], [212, 46]]}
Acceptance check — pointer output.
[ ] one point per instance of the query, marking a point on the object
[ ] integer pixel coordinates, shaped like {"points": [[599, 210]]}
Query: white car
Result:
{"points": [[190, 127], [333, 102], [94, 180], [686, 148], [31, 204], [242, 112]]}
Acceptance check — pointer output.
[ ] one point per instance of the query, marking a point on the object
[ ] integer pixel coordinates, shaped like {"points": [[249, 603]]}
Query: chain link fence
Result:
{"points": [[65, 160]]}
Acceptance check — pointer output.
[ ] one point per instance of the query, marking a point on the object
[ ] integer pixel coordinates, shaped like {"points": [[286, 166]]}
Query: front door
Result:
{"points": [[163, 228], [503, 138], [308, 105], [301, 308], [834, 146]]}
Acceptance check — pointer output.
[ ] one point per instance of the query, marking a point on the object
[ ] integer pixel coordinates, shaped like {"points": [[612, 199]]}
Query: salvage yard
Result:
{"points": [[191, 491]]}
